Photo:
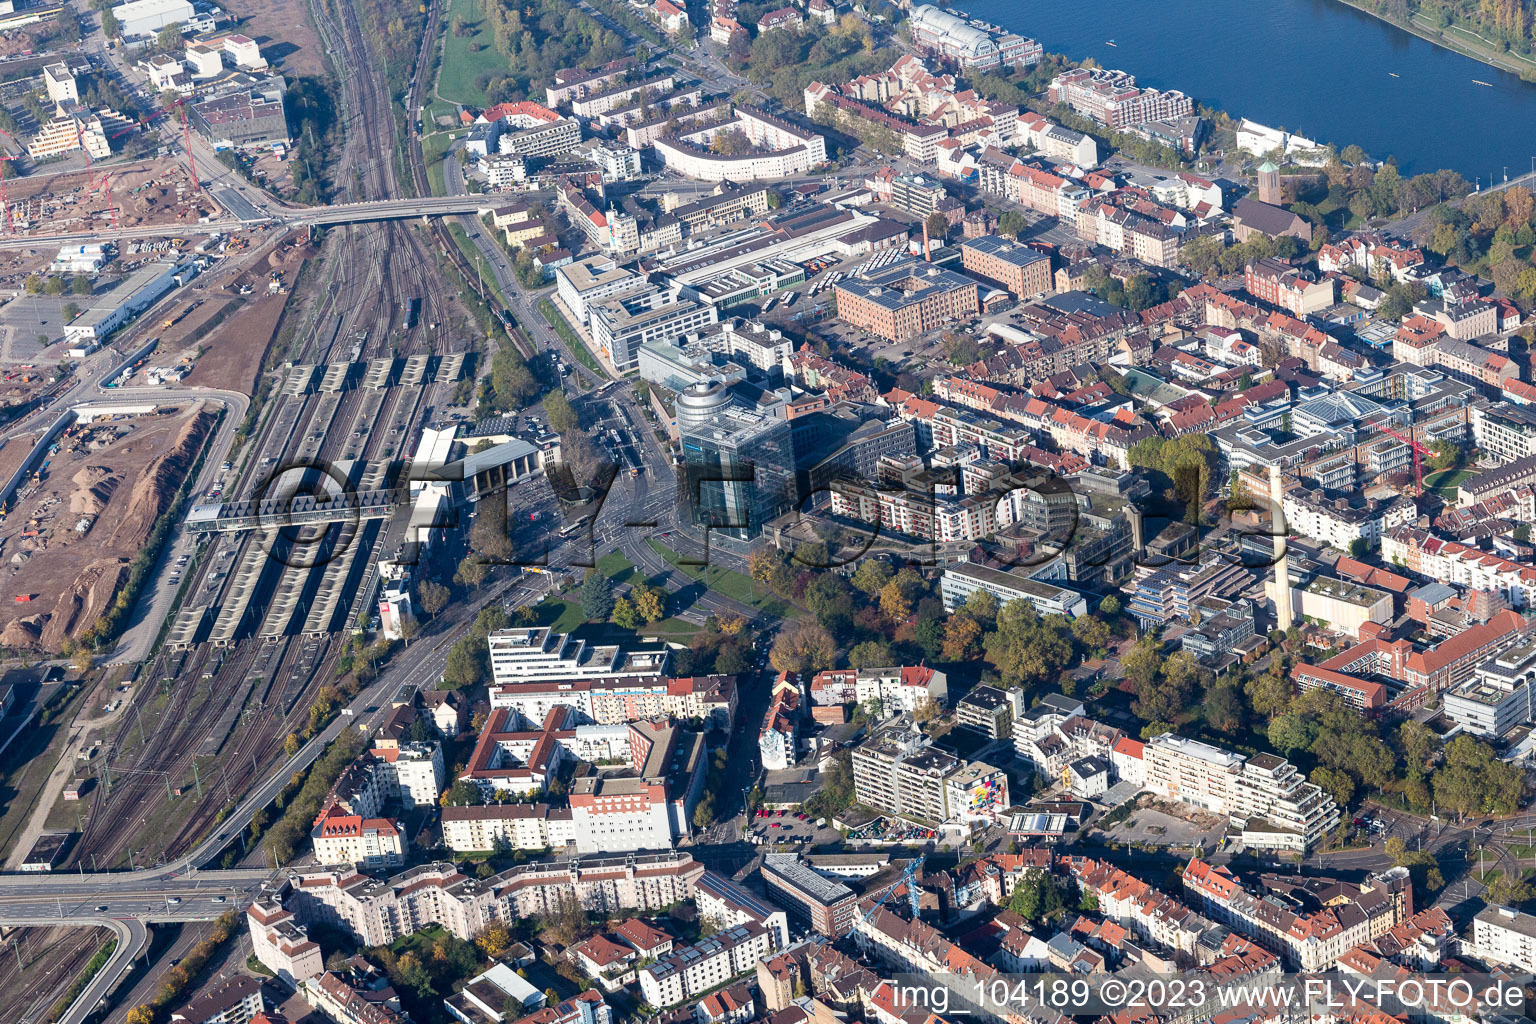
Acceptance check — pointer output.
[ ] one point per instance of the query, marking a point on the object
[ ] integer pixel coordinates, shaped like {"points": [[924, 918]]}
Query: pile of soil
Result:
{"points": [[94, 486], [23, 632], [92, 592], [156, 488]]}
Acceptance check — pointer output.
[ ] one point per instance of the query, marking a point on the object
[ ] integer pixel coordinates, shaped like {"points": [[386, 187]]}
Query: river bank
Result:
{"points": [[1458, 40]]}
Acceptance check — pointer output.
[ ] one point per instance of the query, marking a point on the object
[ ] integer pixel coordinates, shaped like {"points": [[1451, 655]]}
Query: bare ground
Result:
{"points": [[145, 192], [232, 351], [286, 34], [67, 543]]}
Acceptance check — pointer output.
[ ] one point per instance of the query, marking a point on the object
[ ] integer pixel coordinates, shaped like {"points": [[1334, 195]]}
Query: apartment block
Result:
{"points": [[725, 904], [709, 963], [1270, 803], [1504, 935], [1112, 98], [413, 772], [896, 770], [376, 911], [282, 944]]}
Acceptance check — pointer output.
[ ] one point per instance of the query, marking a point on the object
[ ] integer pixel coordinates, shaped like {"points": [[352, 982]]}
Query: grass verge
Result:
{"points": [[573, 340]]}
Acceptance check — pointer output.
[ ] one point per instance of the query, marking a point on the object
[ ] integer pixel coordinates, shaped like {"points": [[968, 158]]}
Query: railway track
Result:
{"points": [[368, 272]]}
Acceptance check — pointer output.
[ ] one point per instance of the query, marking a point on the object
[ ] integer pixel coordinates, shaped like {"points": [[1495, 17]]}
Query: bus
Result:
{"points": [[571, 529]]}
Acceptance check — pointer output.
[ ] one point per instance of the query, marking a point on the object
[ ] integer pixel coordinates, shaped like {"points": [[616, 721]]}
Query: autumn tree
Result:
{"points": [[894, 604], [432, 596], [962, 639], [803, 647]]}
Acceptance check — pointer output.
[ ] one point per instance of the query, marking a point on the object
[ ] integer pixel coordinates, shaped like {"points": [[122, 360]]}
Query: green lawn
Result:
{"points": [[433, 149], [561, 616], [734, 585], [437, 109], [1445, 482], [465, 58], [618, 568]]}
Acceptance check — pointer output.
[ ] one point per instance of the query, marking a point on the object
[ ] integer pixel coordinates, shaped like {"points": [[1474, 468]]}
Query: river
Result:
{"points": [[1315, 67]]}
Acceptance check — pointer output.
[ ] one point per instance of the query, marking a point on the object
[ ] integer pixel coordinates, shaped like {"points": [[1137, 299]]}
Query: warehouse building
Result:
{"points": [[147, 17], [249, 117]]}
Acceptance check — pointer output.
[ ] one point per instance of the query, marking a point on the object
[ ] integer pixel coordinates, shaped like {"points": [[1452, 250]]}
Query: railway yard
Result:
{"points": [[329, 351]]}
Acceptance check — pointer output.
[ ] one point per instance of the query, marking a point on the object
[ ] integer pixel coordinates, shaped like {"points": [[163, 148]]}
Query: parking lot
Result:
{"points": [[790, 827], [1157, 828]]}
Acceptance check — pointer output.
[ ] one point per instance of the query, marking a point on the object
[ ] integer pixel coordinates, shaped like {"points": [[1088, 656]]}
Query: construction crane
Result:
{"points": [[186, 141], [1418, 452], [909, 878]]}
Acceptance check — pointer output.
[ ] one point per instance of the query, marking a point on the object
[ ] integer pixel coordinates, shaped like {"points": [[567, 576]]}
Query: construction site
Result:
{"points": [[146, 192], [76, 521]]}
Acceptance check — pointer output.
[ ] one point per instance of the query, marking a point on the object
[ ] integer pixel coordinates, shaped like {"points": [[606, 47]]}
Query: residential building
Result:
{"points": [[896, 770], [412, 771], [1271, 805], [1505, 431], [377, 911], [782, 149], [574, 83], [1309, 922], [1309, 512], [899, 689], [232, 1002], [341, 838], [1291, 288], [282, 944], [990, 711], [354, 997], [1505, 936], [724, 904], [784, 17], [77, 129], [709, 963], [1113, 99], [60, 84]]}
